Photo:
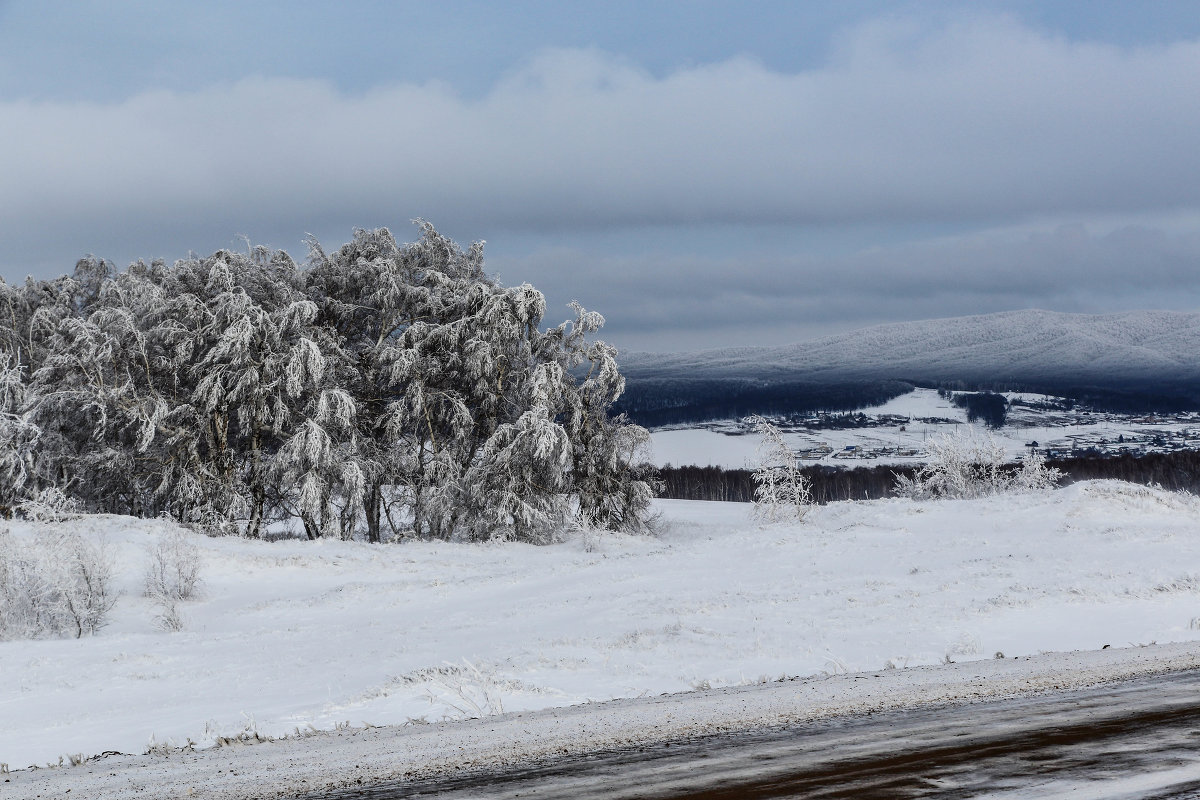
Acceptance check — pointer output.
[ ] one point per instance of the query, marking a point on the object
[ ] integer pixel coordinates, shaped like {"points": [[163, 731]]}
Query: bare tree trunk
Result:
{"points": [[373, 501], [258, 492], [312, 527]]}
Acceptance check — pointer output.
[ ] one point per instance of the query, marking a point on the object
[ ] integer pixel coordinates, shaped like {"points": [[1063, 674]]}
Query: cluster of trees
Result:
{"points": [[380, 385], [58, 584], [992, 408], [989, 408], [692, 482], [655, 402]]}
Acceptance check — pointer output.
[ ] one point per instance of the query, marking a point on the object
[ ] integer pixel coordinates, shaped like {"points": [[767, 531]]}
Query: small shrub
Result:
{"points": [[172, 576], [174, 568], [468, 690], [86, 582], [1034, 475], [169, 617], [49, 505], [24, 592]]}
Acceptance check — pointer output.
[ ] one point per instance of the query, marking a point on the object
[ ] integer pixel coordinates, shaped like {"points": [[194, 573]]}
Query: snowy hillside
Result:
{"points": [[294, 634], [1018, 345]]}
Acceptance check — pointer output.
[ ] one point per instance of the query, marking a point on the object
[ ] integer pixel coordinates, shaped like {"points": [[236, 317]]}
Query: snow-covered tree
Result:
{"points": [[98, 408], [614, 482], [19, 438], [257, 364], [320, 458], [472, 421], [368, 293], [17, 305], [781, 491]]}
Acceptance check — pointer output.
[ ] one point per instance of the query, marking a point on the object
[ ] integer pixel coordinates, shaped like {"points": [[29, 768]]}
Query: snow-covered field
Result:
{"points": [[292, 634], [711, 443]]}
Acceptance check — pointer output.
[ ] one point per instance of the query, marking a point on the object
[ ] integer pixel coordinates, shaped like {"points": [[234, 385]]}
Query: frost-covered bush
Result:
{"points": [[25, 608], [84, 572], [49, 505], [173, 570], [958, 466], [172, 576], [1034, 475], [973, 465], [781, 492], [57, 584], [469, 691]]}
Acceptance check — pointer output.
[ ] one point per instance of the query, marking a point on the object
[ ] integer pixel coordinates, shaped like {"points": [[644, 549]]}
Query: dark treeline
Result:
{"points": [[986, 407], [829, 484], [1132, 396], [1178, 471], [653, 403], [1143, 399], [706, 483]]}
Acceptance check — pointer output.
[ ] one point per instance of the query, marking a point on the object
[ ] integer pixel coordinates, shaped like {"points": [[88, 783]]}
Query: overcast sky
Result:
{"points": [[702, 173]]}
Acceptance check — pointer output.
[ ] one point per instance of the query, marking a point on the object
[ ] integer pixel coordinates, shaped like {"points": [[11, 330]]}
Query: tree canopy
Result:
{"points": [[393, 389]]}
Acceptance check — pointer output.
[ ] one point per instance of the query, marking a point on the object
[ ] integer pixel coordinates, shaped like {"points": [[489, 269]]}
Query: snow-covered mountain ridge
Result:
{"points": [[1018, 345]]}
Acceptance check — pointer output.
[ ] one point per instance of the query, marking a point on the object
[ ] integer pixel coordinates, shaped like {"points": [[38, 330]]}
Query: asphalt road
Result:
{"points": [[1139, 739]]}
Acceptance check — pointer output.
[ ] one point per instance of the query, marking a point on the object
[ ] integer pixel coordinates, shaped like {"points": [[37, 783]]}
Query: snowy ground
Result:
{"points": [[348, 761], [293, 634], [710, 443]]}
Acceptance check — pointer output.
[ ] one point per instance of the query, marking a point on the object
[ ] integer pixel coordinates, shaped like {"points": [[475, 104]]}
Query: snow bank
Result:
{"points": [[295, 636]]}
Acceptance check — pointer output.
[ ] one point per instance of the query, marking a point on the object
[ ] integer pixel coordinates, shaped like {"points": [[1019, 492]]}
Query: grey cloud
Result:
{"points": [[978, 121], [981, 125], [672, 302]]}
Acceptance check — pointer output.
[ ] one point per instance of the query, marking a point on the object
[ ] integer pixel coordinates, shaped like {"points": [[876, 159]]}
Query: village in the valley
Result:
{"points": [[898, 432]]}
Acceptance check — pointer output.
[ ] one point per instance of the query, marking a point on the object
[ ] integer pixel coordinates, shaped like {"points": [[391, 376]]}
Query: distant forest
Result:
{"points": [[659, 402], [829, 484], [1166, 396], [670, 402], [1178, 471]]}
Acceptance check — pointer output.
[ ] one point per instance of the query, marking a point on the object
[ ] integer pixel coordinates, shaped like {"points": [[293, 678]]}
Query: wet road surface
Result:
{"points": [[1139, 739]]}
